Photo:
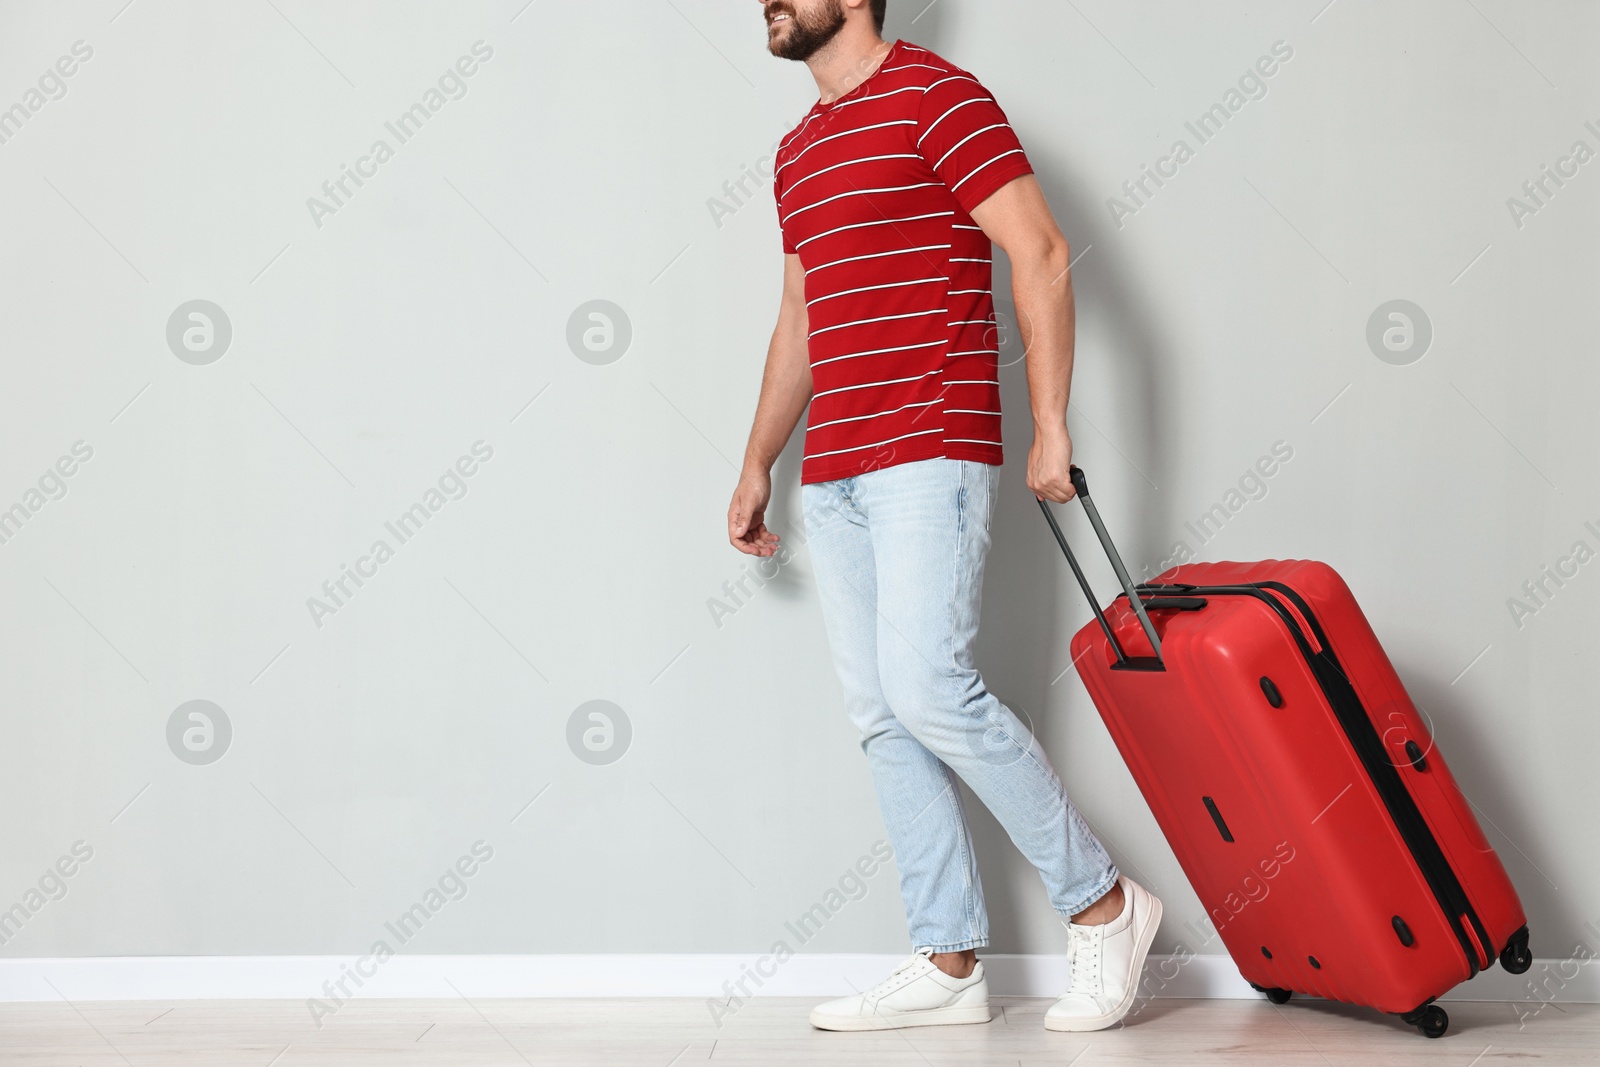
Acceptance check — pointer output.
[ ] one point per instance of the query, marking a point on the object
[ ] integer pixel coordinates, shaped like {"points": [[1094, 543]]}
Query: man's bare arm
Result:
{"points": [[1018, 219], [785, 392]]}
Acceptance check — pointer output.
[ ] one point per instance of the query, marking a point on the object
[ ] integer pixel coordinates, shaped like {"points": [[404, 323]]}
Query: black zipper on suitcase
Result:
{"points": [[1368, 745]]}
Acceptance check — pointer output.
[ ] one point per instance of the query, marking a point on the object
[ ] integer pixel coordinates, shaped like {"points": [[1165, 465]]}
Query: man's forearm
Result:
{"points": [[785, 392], [1047, 319]]}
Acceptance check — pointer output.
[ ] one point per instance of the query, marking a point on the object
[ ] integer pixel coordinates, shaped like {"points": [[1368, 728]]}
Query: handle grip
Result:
{"points": [[1081, 484]]}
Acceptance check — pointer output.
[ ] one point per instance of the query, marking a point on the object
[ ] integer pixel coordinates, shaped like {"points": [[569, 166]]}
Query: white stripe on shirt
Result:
{"points": [[875, 222], [881, 318], [856, 192], [975, 170], [878, 352], [874, 415], [880, 444], [836, 136], [872, 288], [947, 114], [952, 78], [879, 96], [874, 385], [881, 255], [848, 163], [964, 140]]}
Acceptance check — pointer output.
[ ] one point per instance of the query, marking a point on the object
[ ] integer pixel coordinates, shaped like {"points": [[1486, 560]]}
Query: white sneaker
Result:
{"points": [[916, 994], [1107, 962]]}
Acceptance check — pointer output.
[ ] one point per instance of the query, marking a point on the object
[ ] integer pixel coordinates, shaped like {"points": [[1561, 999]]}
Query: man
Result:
{"points": [[889, 194]]}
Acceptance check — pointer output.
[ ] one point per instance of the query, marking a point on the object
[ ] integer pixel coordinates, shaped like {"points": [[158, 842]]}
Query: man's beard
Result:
{"points": [[807, 34]]}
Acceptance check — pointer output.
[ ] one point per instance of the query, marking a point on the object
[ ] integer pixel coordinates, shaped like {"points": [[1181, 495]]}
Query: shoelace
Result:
{"points": [[897, 978], [1085, 961]]}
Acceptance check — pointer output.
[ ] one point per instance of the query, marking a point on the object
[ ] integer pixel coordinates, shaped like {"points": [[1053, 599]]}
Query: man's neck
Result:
{"points": [[848, 60]]}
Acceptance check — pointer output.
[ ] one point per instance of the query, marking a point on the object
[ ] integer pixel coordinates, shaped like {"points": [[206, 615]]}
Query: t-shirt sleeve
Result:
{"points": [[966, 139]]}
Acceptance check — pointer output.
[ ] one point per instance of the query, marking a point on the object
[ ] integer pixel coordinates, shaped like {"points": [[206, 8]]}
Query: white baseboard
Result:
{"points": [[602, 975]]}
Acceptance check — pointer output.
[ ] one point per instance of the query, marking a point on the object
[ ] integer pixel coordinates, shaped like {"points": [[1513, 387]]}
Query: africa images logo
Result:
{"points": [[451, 85]]}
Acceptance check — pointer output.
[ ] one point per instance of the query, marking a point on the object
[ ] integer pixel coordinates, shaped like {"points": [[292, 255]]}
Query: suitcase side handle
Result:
{"points": [[1081, 484]]}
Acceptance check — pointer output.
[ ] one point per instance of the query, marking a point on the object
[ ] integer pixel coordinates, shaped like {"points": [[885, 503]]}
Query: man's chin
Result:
{"points": [[783, 44]]}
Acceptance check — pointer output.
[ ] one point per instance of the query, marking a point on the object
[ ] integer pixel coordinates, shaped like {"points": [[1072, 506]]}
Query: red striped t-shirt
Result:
{"points": [[875, 192]]}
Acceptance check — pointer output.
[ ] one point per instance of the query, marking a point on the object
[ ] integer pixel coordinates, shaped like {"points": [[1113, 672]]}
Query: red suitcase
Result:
{"points": [[1296, 782]]}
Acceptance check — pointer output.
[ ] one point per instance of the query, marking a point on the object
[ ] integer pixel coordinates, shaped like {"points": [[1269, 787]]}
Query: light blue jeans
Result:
{"points": [[899, 554]]}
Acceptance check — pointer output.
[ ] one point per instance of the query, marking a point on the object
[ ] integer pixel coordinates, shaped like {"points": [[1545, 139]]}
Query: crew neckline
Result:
{"points": [[894, 47]]}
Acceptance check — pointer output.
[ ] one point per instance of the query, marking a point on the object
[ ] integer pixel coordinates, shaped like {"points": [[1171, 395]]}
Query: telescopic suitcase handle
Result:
{"points": [[1081, 484]]}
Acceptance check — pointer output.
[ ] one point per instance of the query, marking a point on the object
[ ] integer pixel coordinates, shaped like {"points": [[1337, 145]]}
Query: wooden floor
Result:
{"points": [[768, 1032]]}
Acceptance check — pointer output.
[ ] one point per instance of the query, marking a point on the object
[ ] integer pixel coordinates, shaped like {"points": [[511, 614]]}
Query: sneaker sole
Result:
{"points": [[1141, 949], [931, 1017]]}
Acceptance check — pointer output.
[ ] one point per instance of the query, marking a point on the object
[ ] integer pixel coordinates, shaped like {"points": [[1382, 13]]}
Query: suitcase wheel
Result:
{"points": [[1277, 996], [1430, 1019], [1515, 957]]}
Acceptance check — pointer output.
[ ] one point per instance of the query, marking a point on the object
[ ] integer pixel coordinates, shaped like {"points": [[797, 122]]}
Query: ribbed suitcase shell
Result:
{"points": [[1307, 894]]}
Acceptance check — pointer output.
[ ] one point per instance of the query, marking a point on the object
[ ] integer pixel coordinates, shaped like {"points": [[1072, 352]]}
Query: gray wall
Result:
{"points": [[376, 341]]}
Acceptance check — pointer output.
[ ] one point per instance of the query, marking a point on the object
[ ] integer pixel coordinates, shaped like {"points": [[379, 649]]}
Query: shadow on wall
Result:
{"points": [[1492, 779], [1022, 646]]}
